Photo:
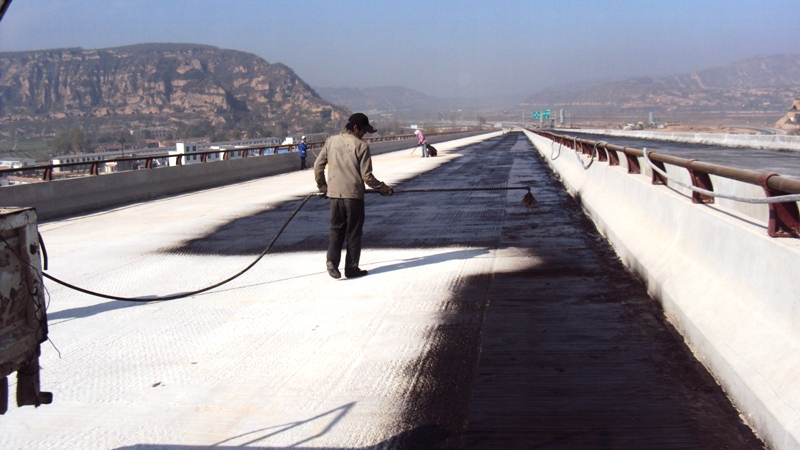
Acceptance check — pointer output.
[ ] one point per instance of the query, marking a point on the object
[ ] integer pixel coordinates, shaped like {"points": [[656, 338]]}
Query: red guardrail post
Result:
{"points": [[784, 219], [657, 178], [633, 163], [602, 154], [701, 180]]}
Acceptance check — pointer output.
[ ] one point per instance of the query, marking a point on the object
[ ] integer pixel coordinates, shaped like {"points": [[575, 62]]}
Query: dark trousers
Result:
{"points": [[302, 163], [347, 225]]}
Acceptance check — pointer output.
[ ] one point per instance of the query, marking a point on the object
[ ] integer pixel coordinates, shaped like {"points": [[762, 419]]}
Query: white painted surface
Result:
{"points": [[282, 356], [730, 290]]}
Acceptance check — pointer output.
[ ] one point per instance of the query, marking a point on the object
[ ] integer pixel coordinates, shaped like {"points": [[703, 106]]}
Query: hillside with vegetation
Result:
{"points": [[77, 98]]}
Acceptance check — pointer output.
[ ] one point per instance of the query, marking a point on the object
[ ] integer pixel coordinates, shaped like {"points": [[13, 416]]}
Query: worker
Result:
{"points": [[349, 167], [423, 142], [302, 150]]}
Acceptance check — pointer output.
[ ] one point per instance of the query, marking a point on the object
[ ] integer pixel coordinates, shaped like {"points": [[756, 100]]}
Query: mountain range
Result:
{"points": [[404, 102], [764, 83], [159, 84]]}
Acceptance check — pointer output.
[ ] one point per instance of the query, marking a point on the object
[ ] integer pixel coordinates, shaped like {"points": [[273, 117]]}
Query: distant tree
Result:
{"points": [[325, 115], [62, 142], [236, 134], [256, 130], [280, 129], [77, 140], [219, 136]]}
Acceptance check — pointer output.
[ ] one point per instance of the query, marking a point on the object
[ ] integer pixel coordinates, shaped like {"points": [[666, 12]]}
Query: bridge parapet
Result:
{"points": [[728, 287], [65, 197]]}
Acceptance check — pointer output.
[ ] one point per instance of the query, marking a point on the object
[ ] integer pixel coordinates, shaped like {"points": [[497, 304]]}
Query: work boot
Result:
{"points": [[333, 271], [354, 273]]}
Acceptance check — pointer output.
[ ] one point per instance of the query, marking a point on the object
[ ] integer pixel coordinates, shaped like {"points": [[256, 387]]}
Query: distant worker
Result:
{"points": [[423, 142], [349, 167], [303, 149]]}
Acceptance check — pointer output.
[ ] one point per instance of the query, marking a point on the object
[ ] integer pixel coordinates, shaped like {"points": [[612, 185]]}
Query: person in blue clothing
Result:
{"points": [[303, 149]]}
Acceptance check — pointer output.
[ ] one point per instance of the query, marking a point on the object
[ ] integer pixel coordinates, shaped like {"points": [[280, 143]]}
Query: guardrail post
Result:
{"points": [[204, 157], [602, 156], [633, 163], [148, 163], [48, 174], [784, 219], [701, 180], [179, 160], [613, 158], [94, 170], [657, 177]]}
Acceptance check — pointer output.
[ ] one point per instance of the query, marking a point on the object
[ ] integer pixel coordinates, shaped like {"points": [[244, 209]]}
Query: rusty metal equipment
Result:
{"points": [[23, 320]]}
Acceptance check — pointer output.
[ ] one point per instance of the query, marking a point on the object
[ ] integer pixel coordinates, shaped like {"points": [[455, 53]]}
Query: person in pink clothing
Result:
{"points": [[423, 142]]}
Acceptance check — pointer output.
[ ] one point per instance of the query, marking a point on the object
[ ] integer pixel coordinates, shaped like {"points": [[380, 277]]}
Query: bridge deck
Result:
{"points": [[482, 324]]}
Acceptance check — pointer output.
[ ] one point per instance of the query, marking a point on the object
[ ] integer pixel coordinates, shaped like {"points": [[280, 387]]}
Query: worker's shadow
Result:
{"points": [[430, 259]]}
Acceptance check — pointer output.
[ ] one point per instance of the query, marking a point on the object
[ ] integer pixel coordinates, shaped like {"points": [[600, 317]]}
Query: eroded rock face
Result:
{"points": [[155, 79]]}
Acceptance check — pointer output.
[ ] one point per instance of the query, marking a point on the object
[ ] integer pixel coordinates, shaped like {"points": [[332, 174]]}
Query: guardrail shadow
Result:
{"points": [[422, 437]]}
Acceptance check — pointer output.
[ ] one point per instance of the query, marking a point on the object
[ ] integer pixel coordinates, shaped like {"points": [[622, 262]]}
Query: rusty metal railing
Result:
{"points": [[44, 172], [784, 218]]}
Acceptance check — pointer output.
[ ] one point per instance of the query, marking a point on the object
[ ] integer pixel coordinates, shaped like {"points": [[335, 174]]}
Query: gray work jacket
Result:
{"points": [[349, 166]]}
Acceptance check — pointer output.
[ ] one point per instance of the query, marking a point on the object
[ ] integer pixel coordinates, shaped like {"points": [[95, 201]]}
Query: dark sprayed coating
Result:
{"points": [[571, 353]]}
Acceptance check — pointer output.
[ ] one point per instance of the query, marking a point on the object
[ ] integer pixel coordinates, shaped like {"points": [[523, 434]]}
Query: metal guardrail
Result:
{"points": [[784, 218], [45, 171]]}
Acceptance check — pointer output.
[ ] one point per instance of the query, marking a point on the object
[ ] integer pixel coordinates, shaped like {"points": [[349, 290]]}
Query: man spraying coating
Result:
{"points": [[349, 167]]}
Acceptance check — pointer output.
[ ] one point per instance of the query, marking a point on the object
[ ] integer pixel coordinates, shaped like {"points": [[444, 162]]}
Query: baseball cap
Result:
{"points": [[362, 121]]}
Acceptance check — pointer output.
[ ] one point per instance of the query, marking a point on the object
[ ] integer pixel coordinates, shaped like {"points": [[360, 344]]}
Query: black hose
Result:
{"points": [[187, 294], [250, 266], [402, 191]]}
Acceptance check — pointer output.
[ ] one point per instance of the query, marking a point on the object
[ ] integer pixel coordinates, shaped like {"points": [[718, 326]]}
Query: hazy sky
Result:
{"points": [[443, 48]]}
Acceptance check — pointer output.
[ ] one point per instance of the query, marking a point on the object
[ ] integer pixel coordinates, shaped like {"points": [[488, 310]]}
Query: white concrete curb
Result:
{"points": [[727, 287]]}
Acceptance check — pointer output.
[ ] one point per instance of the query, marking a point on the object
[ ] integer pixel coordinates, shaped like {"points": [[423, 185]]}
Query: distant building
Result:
{"points": [[12, 178], [249, 145], [17, 163], [186, 149], [89, 158], [311, 138]]}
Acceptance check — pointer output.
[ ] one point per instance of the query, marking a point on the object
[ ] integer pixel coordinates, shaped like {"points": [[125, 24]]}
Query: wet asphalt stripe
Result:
{"points": [[571, 353]]}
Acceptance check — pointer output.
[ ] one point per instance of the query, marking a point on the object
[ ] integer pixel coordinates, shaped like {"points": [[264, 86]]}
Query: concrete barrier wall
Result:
{"points": [[771, 142], [727, 287], [81, 195]]}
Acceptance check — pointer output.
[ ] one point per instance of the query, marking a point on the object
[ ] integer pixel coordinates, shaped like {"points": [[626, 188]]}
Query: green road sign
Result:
{"points": [[537, 114], [546, 114]]}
